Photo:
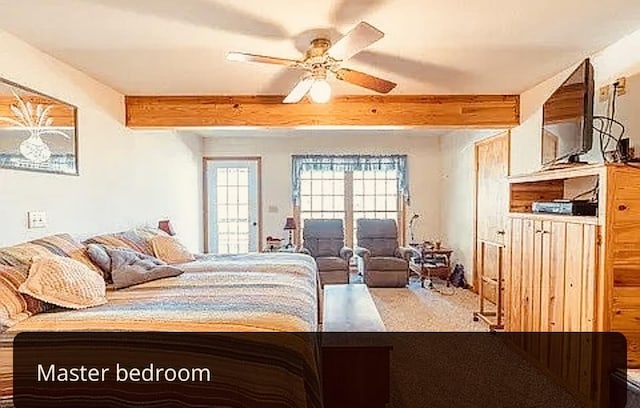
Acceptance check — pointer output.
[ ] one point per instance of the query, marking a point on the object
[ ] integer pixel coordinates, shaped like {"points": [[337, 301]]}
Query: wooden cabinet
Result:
{"points": [[551, 280], [574, 273]]}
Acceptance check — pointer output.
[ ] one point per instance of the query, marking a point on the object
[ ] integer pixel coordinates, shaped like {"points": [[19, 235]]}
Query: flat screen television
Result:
{"points": [[567, 124]]}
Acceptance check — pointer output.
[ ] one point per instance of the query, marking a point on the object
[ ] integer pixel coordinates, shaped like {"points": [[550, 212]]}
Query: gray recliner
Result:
{"points": [[381, 261], [324, 240]]}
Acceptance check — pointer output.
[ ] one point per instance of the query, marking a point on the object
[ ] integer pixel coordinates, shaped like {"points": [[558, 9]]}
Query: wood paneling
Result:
{"points": [[557, 254], [487, 111], [513, 287], [491, 209], [524, 194], [492, 188], [588, 272]]}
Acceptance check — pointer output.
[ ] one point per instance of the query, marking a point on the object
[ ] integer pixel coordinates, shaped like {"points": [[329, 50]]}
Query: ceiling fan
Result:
{"points": [[324, 58]]}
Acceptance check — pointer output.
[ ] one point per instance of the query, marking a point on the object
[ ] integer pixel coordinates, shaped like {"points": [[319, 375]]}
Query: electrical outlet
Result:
{"points": [[37, 219], [604, 93], [621, 88]]}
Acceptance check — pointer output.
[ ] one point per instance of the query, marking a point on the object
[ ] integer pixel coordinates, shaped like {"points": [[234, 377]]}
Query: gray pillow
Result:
{"points": [[130, 268], [100, 257]]}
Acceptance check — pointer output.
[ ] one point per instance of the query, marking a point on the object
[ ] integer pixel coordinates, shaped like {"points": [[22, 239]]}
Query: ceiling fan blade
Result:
{"points": [[245, 57], [356, 40], [365, 80], [299, 91], [353, 10]]}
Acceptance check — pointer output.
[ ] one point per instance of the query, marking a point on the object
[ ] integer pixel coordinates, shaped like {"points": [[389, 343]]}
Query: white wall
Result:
{"points": [[619, 59], [276, 147], [126, 178], [458, 152]]}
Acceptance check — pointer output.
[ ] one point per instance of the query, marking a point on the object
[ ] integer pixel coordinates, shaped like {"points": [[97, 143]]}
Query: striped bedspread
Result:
{"points": [[256, 292]]}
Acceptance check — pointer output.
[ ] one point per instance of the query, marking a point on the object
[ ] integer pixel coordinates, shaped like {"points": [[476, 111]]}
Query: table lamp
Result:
{"points": [[165, 225], [411, 224], [290, 225]]}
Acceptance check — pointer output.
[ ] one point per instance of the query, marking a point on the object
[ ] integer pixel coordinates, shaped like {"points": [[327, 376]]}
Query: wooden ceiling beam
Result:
{"points": [[473, 111]]}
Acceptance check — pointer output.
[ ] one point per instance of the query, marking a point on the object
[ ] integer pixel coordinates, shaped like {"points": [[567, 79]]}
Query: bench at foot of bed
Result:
{"points": [[350, 308], [355, 366]]}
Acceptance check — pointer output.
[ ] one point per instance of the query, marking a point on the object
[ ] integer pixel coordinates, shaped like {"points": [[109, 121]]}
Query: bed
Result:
{"points": [[276, 292]]}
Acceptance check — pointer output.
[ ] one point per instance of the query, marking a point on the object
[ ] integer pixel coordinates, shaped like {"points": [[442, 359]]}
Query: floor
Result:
{"points": [[464, 369], [418, 309]]}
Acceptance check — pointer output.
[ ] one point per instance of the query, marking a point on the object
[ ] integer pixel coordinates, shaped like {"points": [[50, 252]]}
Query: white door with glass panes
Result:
{"points": [[232, 203]]}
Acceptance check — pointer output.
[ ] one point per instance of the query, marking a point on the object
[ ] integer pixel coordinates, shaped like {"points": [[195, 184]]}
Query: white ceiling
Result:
{"points": [[431, 46]]}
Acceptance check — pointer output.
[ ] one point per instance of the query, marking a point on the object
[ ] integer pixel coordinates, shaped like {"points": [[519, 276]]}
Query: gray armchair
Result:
{"points": [[324, 240], [381, 261]]}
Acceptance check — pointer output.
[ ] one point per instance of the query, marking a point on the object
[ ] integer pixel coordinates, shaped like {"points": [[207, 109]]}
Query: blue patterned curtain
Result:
{"points": [[301, 163]]}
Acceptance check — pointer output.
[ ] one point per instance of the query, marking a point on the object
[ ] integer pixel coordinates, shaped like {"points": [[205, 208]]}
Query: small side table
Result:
{"points": [[433, 262]]}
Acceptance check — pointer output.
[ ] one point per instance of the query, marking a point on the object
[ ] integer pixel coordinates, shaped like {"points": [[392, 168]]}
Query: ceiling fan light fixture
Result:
{"points": [[320, 91]]}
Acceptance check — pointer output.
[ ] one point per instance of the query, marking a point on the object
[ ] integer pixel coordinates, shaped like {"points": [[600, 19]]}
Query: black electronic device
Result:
{"points": [[567, 124], [566, 207]]}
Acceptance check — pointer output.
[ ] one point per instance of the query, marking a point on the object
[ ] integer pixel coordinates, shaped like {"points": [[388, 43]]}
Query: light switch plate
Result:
{"points": [[37, 219]]}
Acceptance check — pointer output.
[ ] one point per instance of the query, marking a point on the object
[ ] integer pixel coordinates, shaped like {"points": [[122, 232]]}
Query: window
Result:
{"points": [[375, 195], [322, 195], [349, 195]]}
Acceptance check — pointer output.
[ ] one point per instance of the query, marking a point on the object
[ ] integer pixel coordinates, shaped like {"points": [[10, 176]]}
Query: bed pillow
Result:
{"points": [[170, 250], [110, 258], [130, 268], [101, 258], [64, 282], [13, 305], [20, 256], [136, 239]]}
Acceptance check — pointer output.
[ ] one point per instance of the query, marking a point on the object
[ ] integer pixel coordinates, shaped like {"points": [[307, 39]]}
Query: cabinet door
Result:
{"points": [[528, 272], [513, 277], [580, 271], [557, 254], [519, 275], [550, 279]]}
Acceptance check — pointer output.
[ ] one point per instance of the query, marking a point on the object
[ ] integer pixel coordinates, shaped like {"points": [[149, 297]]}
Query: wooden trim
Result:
{"points": [[350, 240], [469, 111], [297, 236], [205, 194], [402, 219], [474, 253], [571, 171]]}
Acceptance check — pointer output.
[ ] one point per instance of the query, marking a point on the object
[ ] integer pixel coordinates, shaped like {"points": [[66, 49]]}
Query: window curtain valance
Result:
{"points": [[302, 163]]}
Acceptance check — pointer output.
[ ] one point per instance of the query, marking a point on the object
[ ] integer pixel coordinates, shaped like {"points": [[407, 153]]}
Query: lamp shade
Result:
{"points": [[165, 225], [290, 224]]}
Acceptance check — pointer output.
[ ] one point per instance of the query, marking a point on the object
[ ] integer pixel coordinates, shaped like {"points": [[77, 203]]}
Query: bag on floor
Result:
{"points": [[457, 278]]}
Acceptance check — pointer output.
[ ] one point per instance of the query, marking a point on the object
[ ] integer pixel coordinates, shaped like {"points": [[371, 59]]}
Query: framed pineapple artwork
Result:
{"points": [[37, 132]]}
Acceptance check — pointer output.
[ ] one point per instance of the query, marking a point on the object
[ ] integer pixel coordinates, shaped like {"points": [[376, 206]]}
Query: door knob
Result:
{"points": [[501, 232], [254, 223]]}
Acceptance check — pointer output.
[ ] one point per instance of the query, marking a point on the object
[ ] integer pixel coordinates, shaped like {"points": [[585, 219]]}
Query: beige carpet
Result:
{"points": [[419, 309]]}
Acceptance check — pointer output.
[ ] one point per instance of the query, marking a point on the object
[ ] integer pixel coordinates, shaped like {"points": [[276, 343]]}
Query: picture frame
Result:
{"points": [[37, 132]]}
